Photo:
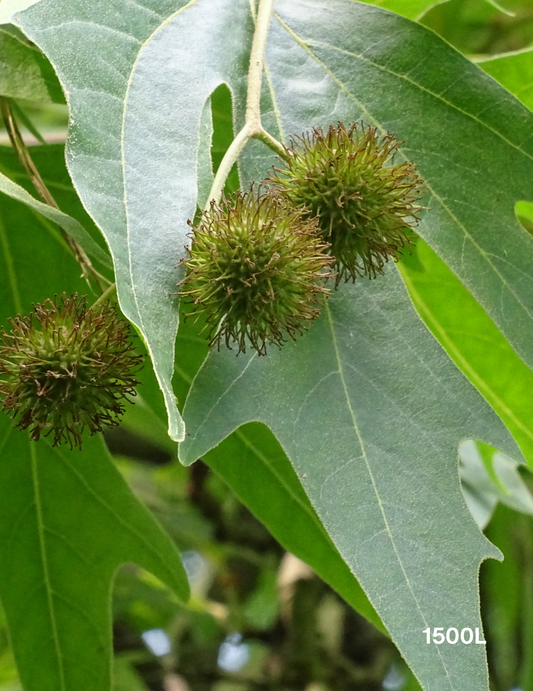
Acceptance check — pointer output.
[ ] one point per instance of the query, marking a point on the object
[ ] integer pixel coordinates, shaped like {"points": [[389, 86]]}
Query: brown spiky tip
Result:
{"points": [[66, 367], [365, 203], [255, 270]]}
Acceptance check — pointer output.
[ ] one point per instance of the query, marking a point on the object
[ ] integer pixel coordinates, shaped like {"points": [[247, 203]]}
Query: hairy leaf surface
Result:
{"points": [[371, 424], [471, 140], [136, 123]]}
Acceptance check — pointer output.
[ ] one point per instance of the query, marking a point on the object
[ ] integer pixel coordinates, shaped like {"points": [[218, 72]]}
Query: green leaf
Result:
{"points": [[35, 262], [67, 521], [524, 213], [136, 124], [67, 518], [24, 120], [412, 9], [25, 72], [69, 224], [472, 340], [371, 423], [254, 465], [514, 71], [326, 61], [349, 61]]}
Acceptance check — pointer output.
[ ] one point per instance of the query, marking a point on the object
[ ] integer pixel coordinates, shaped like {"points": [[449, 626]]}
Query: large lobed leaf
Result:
{"points": [[133, 141], [67, 522], [136, 115], [252, 463], [67, 518], [371, 424]]}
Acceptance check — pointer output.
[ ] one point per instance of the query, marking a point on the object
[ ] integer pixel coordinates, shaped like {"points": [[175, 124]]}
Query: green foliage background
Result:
{"points": [[146, 87]]}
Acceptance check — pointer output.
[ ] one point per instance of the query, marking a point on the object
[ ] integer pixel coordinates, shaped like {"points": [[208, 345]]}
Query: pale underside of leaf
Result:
{"points": [[136, 124]]}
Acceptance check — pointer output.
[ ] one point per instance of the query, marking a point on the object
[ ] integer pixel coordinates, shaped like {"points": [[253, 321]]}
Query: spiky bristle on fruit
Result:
{"points": [[67, 367], [255, 270], [365, 203]]}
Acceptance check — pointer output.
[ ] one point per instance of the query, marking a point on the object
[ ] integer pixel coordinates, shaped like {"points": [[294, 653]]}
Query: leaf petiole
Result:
{"points": [[252, 128]]}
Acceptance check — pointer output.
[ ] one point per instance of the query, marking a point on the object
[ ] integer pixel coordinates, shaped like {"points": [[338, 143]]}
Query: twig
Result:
{"points": [[109, 291], [25, 159], [252, 128]]}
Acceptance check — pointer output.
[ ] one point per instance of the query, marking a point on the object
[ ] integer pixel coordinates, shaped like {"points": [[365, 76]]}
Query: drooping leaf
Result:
{"points": [[25, 72], [68, 519], [252, 463], [370, 411], [472, 340], [514, 71], [136, 124]]}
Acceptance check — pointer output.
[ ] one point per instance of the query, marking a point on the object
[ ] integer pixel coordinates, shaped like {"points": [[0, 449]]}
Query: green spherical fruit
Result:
{"points": [[364, 202], [255, 270], [66, 367]]}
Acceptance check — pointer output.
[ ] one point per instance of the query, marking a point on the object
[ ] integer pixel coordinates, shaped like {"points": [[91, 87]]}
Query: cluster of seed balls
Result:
{"points": [[338, 208], [256, 273]]}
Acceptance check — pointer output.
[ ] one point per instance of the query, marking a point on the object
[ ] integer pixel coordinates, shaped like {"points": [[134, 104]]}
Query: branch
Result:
{"points": [[255, 71], [25, 159], [252, 128]]}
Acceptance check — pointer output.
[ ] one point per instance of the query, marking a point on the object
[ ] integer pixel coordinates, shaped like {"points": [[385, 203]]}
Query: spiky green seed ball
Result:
{"points": [[255, 270], [66, 367], [365, 203]]}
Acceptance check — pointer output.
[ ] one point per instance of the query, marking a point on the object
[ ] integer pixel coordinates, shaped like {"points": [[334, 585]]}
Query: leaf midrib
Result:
{"points": [[372, 479], [306, 47]]}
